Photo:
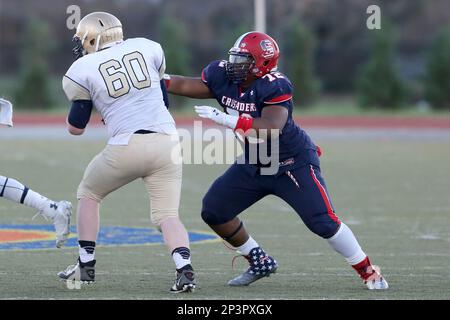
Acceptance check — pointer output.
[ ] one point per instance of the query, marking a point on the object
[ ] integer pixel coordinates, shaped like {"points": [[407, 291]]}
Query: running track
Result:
{"points": [[369, 122]]}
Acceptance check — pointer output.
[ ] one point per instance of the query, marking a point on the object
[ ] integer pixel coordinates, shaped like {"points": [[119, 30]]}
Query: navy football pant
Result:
{"points": [[302, 188]]}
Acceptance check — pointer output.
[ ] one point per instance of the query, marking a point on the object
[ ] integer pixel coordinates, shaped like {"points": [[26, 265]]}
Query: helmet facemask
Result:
{"points": [[78, 50], [238, 66], [81, 48], [96, 31]]}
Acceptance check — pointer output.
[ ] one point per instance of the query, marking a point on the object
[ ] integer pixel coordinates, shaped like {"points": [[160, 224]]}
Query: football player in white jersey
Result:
{"points": [[57, 212], [122, 79]]}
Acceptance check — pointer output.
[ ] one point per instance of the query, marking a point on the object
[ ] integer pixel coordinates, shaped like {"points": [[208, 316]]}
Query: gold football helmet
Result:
{"points": [[96, 31]]}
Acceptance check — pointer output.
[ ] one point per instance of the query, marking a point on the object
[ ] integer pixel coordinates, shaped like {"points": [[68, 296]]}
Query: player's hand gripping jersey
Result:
{"points": [[123, 83], [295, 146]]}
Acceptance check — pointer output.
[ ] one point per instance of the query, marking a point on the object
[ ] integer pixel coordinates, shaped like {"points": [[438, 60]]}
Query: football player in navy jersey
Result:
{"points": [[258, 99]]}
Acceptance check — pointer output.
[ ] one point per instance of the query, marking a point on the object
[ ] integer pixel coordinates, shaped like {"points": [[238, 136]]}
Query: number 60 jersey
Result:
{"points": [[123, 83]]}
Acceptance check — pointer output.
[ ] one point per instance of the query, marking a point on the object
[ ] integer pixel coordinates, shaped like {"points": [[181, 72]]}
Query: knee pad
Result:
{"points": [[210, 218], [213, 212], [83, 192], [324, 229]]}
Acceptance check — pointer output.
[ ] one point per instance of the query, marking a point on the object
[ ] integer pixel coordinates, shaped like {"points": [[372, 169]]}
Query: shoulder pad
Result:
{"points": [[277, 88], [213, 71]]}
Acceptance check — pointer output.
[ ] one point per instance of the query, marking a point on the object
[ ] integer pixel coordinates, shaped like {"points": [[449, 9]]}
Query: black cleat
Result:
{"points": [[185, 281], [83, 272]]}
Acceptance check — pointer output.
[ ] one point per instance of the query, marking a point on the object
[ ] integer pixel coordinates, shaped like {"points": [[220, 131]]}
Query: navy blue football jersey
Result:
{"points": [[274, 88]]}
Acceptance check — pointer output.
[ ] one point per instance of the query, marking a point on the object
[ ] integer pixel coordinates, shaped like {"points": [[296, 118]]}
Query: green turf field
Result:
{"points": [[395, 195]]}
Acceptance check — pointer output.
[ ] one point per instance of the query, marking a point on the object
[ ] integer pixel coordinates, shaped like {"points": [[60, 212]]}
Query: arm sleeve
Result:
{"points": [[164, 93], [80, 113]]}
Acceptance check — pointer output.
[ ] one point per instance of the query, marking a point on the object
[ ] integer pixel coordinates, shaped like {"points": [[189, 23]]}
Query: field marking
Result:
{"points": [[109, 236], [16, 236]]}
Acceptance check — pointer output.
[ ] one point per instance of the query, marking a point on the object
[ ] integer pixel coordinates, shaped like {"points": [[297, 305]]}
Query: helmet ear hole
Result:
{"points": [[92, 42], [265, 63]]}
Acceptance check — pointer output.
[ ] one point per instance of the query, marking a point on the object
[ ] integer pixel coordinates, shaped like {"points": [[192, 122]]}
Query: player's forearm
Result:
{"points": [[272, 120], [188, 86], [264, 128], [266, 124], [74, 130], [269, 125]]}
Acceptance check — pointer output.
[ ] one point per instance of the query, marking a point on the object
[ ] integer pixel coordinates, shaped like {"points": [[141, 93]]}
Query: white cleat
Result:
{"points": [[59, 213], [376, 281]]}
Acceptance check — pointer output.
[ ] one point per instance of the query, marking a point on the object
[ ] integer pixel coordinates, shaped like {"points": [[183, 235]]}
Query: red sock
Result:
{"points": [[361, 268]]}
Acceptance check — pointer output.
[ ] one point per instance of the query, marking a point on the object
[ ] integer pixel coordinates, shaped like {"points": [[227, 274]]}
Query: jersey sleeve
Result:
{"points": [[160, 61], [213, 74], [278, 91], [74, 84], [74, 91], [162, 68]]}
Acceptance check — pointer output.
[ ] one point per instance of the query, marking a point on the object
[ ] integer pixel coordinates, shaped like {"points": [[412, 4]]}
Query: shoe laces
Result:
{"points": [[40, 213], [239, 256], [228, 246], [71, 267], [372, 274]]}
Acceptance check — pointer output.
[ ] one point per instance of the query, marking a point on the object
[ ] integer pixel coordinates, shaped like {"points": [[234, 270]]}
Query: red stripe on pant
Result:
{"points": [[325, 198]]}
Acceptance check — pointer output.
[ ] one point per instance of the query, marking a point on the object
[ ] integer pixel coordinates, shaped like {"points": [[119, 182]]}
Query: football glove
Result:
{"points": [[217, 116], [6, 113]]}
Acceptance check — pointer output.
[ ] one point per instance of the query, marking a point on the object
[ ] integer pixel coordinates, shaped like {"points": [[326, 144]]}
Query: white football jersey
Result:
{"points": [[123, 83]]}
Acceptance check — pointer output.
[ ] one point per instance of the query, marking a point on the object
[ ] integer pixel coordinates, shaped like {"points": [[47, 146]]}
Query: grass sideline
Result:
{"points": [[393, 194]]}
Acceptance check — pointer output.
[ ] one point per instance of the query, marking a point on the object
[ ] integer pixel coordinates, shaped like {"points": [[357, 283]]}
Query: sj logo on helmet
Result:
{"points": [[268, 49]]}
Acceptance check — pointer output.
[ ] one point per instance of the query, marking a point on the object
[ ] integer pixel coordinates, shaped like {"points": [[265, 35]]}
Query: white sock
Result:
{"points": [[15, 191], [37, 201], [345, 243], [86, 253], [247, 246], [181, 256]]}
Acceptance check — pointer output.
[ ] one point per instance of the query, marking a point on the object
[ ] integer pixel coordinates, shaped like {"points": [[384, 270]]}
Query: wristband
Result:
{"points": [[166, 78], [244, 124], [319, 151]]}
